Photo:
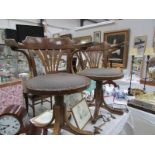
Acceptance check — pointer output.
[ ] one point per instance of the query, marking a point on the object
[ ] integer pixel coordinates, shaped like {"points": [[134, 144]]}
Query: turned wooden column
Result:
{"points": [[59, 114], [98, 100]]}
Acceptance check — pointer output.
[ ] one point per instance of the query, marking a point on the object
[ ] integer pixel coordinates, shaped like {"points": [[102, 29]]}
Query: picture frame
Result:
{"points": [[72, 99], [83, 39], [62, 65], [56, 35], [81, 114], [66, 36], [140, 44], [97, 37], [117, 37]]}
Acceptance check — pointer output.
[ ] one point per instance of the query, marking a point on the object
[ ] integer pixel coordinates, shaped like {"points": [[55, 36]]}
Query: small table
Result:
{"points": [[99, 75], [58, 85]]}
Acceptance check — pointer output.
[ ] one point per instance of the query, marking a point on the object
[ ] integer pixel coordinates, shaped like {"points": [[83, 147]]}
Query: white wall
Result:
{"points": [[137, 27], [62, 26], [54, 25]]}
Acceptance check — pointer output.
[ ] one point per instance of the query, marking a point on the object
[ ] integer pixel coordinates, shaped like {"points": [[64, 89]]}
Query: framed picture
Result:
{"points": [[62, 66], [66, 36], [81, 114], [56, 35], [140, 44], [72, 99], [2, 36], [117, 37], [83, 39], [97, 36]]}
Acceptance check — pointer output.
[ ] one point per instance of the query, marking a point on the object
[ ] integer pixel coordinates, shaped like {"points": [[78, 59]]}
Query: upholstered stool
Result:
{"points": [[100, 75]]}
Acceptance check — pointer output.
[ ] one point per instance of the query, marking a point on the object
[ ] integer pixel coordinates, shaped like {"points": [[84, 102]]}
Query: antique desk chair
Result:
{"points": [[44, 55], [90, 55], [94, 55], [96, 68]]}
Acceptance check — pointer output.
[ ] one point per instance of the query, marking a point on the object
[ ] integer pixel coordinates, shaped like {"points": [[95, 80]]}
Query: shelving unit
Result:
{"points": [[8, 60], [12, 62], [22, 66]]}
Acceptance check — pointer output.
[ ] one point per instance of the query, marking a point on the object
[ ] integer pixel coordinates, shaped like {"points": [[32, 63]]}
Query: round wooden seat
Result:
{"points": [[57, 84], [102, 73]]}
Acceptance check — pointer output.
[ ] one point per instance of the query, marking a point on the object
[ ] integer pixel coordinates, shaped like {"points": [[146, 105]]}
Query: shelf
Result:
{"points": [[150, 83]]}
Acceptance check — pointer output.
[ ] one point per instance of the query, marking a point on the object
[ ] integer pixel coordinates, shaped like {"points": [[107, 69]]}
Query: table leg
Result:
{"points": [[59, 113], [76, 130], [106, 106], [98, 100], [61, 118], [110, 63], [111, 109]]}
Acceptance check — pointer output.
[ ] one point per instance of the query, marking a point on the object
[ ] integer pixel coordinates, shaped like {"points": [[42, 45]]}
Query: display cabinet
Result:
{"points": [[12, 63], [8, 60], [22, 64]]}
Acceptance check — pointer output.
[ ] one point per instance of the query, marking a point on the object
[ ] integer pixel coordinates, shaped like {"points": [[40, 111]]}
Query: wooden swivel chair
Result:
{"points": [[96, 56], [53, 55], [90, 55]]}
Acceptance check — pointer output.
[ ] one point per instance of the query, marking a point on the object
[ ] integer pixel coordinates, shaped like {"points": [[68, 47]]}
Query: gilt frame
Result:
{"points": [[117, 37]]}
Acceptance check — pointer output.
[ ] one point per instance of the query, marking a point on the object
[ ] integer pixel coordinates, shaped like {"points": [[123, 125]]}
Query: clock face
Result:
{"points": [[9, 125]]}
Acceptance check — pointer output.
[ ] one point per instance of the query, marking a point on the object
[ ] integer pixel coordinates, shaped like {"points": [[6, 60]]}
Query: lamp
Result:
{"points": [[133, 53], [148, 52]]}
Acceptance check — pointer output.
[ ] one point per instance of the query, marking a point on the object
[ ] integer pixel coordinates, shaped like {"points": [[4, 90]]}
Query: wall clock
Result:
{"points": [[9, 124], [14, 120]]}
